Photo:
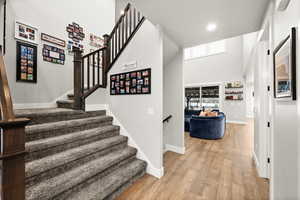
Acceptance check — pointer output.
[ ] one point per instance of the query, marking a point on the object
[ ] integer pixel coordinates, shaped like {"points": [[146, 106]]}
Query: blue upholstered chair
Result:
{"points": [[187, 117], [208, 127]]}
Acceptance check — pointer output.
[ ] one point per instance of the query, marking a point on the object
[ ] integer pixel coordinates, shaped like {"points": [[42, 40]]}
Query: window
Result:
{"points": [[205, 50]]}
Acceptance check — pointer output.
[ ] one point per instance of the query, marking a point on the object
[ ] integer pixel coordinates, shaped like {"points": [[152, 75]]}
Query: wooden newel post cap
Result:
{"points": [[18, 122]]}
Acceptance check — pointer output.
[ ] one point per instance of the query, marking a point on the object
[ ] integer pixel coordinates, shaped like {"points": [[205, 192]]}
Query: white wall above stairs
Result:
{"points": [[52, 17]]}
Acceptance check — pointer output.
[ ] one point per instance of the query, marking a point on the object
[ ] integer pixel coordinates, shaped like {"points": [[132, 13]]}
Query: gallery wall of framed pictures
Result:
{"points": [[131, 83], [285, 57], [26, 62]]}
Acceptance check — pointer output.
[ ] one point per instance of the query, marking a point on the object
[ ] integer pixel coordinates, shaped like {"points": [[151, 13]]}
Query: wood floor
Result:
{"points": [[209, 170]]}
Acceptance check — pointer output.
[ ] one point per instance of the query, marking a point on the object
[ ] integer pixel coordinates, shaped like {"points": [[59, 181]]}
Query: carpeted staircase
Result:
{"points": [[77, 155]]}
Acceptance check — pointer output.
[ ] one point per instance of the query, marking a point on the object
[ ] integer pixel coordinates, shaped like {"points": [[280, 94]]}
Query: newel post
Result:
{"points": [[105, 59], [79, 103], [13, 159]]}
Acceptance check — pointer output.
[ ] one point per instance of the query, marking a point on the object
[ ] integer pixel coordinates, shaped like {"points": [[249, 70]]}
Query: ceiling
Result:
{"points": [[185, 21]]}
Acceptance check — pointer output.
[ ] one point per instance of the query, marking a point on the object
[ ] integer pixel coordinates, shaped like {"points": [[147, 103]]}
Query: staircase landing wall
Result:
{"points": [[141, 115]]}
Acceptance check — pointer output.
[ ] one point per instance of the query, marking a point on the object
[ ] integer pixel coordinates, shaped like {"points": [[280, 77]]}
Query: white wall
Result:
{"points": [[141, 115], [220, 68], [285, 142], [52, 17], [173, 97]]}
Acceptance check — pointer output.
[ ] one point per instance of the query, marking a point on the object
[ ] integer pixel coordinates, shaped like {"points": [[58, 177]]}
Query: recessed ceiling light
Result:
{"points": [[211, 27], [122, 12]]}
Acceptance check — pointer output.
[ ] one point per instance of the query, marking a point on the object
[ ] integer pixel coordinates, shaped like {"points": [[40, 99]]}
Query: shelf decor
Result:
{"points": [[234, 91], [26, 62], [285, 68], [131, 83]]}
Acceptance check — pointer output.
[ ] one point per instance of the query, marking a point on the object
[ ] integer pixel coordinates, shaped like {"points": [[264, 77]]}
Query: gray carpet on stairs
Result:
{"points": [[77, 155]]}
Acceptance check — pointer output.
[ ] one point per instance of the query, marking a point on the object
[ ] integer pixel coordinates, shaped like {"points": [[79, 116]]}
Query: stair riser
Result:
{"points": [[71, 165], [78, 187], [121, 189], [40, 119], [63, 147], [65, 130], [65, 105]]}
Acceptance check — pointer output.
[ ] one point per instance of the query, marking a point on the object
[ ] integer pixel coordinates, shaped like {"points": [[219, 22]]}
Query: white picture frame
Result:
{"points": [[27, 33]]}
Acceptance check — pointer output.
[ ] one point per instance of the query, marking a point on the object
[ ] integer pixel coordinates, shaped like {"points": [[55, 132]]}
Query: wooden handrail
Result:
{"points": [[120, 19], [12, 183], [167, 118], [5, 96], [90, 70]]}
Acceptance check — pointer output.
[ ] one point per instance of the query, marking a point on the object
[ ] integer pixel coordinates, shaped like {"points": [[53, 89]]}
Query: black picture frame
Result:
{"points": [[26, 63], [136, 82], [290, 94]]}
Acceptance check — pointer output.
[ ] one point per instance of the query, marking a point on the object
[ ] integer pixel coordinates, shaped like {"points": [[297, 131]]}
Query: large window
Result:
{"points": [[205, 50], [197, 98]]}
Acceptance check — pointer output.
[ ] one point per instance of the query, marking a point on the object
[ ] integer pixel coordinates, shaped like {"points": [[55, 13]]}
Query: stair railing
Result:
{"points": [[90, 71], [12, 185]]}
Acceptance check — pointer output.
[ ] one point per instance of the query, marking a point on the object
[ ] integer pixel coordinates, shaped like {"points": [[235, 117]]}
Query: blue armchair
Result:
{"points": [[208, 127], [187, 117]]}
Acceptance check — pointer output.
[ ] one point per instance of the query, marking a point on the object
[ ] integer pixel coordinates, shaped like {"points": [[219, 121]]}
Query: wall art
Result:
{"points": [[53, 54], [75, 32], [285, 68], [26, 33], [96, 41], [26, 62], [53, 40], [72, 44], [131, 83]]}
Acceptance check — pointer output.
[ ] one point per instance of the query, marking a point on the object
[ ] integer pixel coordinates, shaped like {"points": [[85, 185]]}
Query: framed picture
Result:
{"points": [[26, 62], [26, 32], [53, 54], [285, 68], [53, 40], [131, 83]]}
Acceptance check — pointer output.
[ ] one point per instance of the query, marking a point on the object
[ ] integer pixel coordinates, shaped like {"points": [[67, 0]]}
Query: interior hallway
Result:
{"points": [[221, 169]]}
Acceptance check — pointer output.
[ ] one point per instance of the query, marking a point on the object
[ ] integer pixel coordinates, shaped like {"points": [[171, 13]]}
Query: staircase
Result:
{"points": [[76, 155], [66, 153]]}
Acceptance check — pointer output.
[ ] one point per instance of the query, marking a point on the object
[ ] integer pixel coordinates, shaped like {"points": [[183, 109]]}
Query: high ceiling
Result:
{"points": [[185, 21]]}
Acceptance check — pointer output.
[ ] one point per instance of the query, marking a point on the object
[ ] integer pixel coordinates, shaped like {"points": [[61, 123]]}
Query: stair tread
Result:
{"points": [[54, 186], [44, 111], [66, 123], [110, 183], [42, 144], [36, 167]]}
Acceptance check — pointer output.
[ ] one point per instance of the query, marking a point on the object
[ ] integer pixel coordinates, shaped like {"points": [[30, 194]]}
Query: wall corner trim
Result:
{"points": [[176, 149]]}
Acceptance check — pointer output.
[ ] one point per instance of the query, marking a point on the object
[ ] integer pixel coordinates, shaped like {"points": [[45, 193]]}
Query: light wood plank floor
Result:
{"points": [[209, 170]]}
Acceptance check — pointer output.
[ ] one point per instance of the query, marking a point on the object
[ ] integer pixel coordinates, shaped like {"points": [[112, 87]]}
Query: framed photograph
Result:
{"points": [[26, 62], [285, 68], [26, 32], [131, 83], [53, 40], [53, 54]]}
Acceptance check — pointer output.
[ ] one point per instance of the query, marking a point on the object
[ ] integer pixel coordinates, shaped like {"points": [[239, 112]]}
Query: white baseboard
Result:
{"points": [[95, 107], [176, 149], [236, 122], [256, 162]]}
